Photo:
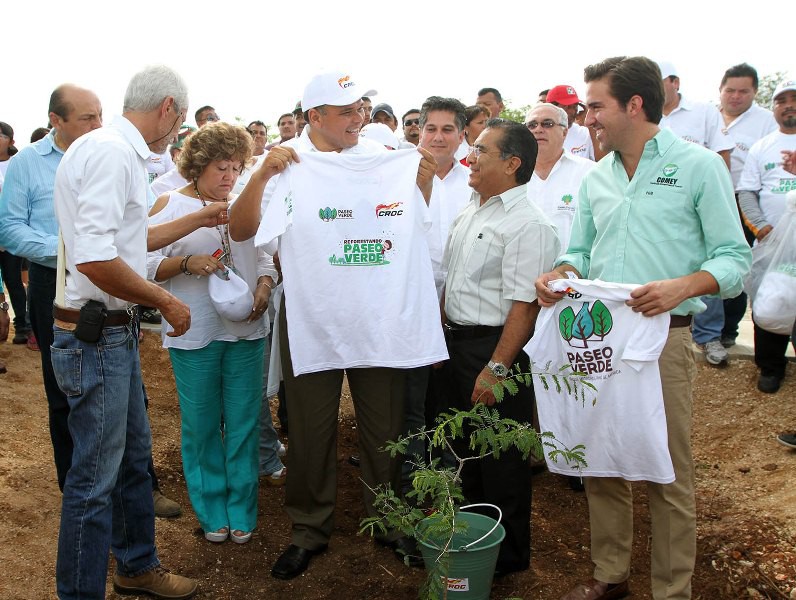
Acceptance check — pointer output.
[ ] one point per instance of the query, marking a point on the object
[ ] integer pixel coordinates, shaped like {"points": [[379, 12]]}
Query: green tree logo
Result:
{"points": [[327, 214], [596, 322]]}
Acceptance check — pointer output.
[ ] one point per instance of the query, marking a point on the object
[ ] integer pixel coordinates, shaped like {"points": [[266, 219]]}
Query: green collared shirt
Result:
{"points": [[675, 217]]}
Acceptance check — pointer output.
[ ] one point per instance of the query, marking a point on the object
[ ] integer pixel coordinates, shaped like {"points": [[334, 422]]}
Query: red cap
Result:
{"points": [[563, 94]]}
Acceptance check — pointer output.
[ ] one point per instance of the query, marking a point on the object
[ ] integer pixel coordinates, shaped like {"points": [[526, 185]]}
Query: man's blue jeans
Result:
{"points": [[107, 497], [708, 324]]}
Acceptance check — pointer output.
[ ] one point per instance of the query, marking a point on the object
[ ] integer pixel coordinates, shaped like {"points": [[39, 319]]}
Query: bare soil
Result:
{"points": [[746, 501]]}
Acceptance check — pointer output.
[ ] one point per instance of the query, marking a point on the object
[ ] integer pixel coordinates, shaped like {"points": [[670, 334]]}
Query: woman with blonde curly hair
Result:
{"points": [[218, 362]]}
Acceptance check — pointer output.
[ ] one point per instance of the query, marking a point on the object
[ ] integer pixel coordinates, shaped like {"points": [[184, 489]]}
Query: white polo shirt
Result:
{"points": [[557, 195], [763, 173], [494, 254], [578, 142], [746, 129], [448, 199], [100, 200], [699, 123]]}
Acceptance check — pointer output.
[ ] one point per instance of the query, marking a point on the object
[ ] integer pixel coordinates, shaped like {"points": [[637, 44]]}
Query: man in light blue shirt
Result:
{"points": [[28, 229], [657, 211]]}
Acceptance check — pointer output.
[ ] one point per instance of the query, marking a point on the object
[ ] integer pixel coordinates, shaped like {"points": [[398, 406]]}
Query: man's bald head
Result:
{"points": [[73, 111]]}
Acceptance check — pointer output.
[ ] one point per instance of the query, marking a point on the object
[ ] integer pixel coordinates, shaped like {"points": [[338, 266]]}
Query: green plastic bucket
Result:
{"points": [[473, 554]]}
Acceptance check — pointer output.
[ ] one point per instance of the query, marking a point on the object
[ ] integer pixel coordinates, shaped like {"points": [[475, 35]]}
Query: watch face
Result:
{"points": [[499, 370]]}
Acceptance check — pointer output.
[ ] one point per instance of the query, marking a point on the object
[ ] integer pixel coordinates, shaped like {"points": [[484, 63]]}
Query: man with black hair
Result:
{"points": [[492, 99], [657, 211], [497, 244], [206, 114], [411, 125]]}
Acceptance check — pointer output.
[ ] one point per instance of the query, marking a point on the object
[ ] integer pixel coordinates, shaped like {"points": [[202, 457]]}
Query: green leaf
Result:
{"points": [[603, 321], [565, 321]]}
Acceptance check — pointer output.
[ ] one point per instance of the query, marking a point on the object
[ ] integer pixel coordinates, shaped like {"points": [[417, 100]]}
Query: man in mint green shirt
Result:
{"points": [[657, 211]]}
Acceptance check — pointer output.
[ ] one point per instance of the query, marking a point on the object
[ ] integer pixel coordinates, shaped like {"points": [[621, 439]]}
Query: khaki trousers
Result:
{"points": [[672, 506], [313, 402]]}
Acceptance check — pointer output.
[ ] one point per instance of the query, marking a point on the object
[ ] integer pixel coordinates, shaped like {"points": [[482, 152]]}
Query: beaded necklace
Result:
{"points": [[223, 231]]}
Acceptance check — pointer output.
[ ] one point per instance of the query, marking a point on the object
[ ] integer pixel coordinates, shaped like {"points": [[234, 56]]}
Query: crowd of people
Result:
{"points": [[238, 247]]}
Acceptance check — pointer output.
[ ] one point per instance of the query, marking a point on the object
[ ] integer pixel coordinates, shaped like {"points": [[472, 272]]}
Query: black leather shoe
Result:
{"points": [[294, 561], [406, 550], [769, 384]]}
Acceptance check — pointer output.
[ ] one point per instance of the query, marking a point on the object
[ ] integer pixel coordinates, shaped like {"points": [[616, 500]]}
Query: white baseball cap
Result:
{"points": [[335, 88], [784, 86], [667, 69], [381, 133]]}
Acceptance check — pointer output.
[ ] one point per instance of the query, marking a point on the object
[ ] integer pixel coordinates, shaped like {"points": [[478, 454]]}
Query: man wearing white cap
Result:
{"points": [[700, 123], [761, 190], [333, 109]]}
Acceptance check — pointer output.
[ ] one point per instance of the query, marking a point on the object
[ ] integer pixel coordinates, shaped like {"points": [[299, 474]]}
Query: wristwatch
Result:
{"points": [[498, 369], [4, 306]]}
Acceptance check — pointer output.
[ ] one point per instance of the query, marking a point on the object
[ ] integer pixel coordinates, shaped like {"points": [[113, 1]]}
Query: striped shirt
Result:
{"points": [[494, 254]]}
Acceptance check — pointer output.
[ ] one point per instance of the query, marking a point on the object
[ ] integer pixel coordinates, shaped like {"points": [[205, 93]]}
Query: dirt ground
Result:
{"points": [[746, 502]]}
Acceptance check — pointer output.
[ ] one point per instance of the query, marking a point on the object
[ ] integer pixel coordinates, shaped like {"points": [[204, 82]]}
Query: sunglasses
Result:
{"points": [[409, 122], [545, 123]]}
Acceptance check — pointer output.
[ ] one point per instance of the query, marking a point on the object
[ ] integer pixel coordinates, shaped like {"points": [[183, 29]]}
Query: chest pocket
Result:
{"points": [[485, 255], [659, 216]]}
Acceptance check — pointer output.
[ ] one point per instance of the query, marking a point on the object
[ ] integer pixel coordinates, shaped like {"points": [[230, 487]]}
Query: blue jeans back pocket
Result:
{"points": [[67, 364]]}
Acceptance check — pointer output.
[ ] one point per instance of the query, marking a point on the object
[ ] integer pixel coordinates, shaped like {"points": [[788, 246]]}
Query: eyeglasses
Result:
{"points": [[477, 151], [211, 118], [545, 123], [409, 122]]}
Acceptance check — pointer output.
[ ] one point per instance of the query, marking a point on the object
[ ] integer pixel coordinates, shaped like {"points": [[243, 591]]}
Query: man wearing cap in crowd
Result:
{"points": [[298, 115], [697, 122], [334, 118], [383, 113], [762, 189], [579, 139]]}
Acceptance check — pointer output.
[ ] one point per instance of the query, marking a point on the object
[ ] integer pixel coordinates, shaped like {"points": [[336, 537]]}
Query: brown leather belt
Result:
{"points": [[70, 315], [680, 321]]}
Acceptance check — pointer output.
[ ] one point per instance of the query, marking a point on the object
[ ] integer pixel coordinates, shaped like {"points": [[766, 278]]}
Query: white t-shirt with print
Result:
{"points": [[763, 173], [356, 269], [699, 123], [557, 195], [578, 141], [158, 164], [744, 131], [624, 430]]}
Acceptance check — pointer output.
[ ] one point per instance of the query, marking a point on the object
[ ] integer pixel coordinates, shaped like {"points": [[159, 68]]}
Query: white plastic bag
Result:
{"points": [[771, 283]]}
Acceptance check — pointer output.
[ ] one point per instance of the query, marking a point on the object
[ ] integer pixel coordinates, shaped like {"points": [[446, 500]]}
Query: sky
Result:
{"points": [[251, 60]]}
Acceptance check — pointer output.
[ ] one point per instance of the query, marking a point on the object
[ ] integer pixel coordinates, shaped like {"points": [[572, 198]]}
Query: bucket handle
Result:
{"points": [[488, 533]]}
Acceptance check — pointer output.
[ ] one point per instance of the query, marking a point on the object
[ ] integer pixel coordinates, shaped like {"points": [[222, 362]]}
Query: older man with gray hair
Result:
{"points": [[557, 175], [100, 198]]}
